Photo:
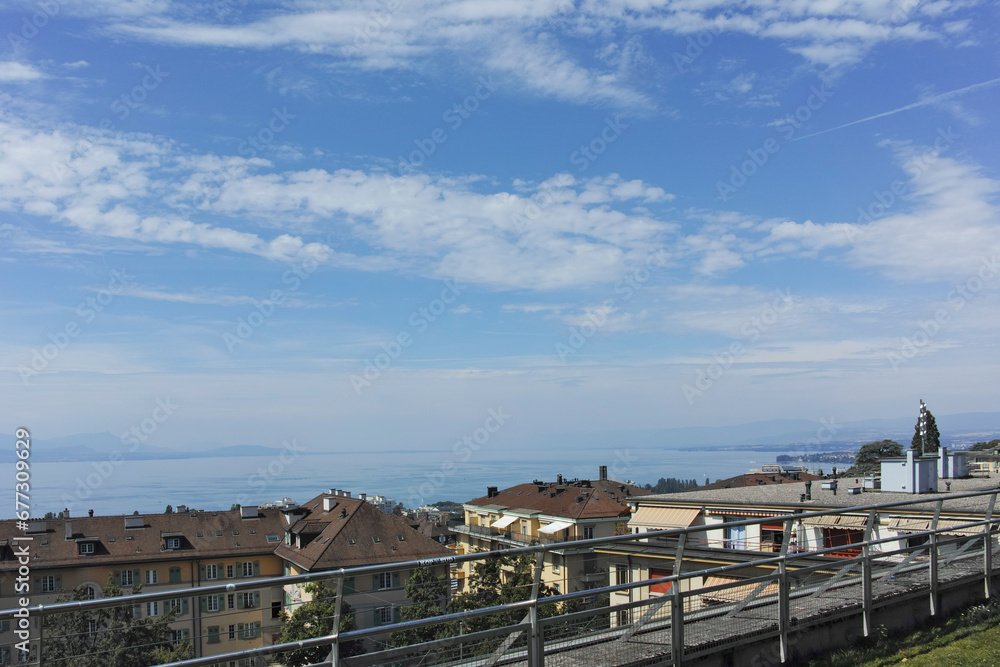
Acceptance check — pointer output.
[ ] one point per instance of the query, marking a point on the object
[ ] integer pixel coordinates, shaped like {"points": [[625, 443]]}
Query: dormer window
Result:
{"points": [[86, 548], [173, 543]]}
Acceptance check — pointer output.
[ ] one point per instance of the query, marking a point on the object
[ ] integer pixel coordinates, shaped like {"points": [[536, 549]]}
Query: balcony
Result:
{"points": [[593, 575], [509, 536]]}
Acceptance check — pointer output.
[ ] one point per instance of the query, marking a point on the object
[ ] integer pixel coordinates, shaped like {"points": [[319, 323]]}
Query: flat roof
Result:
{"points": [[788, 495]]}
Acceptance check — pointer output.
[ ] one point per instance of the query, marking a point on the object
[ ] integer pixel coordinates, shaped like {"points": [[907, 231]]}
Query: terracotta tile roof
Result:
{"points": [[759, 479], [572, 499], [352, 533], [202, 535]]}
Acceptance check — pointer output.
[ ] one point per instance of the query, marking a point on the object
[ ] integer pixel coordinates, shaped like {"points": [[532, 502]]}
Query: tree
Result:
{"points": [[110, 637], [672, 485], [428, 594], [169, 510], [985, 446], [315, 619], [868, 457], [933, 437]]}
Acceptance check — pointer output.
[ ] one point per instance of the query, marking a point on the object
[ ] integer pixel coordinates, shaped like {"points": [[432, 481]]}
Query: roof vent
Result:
{"points": [[135, 521], [343, 512], [491, 492]]}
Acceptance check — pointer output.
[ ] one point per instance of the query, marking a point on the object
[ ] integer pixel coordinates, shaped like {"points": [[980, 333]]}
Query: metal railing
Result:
{"points": [[678, 617]]}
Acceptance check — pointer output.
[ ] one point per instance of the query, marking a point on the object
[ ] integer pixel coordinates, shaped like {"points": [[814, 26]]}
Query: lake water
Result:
{"points": [[412, 478]]}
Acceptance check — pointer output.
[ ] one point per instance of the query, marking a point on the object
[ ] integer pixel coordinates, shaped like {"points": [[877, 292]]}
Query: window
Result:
{"points": [[152, 609], [248, 600], [91, 593], [229, 572], [623, 575], [248, 569], [179, 636], [555, 587], [625, 617], [151, 576], [556, 563], [92, 627], [232, 632], [588, 532], [383, 615], [212, 571], [48, 583], [173, 543], [231, 600], [177, 605], [128, 578], [86, 547], [249, 631], [213, 603], [276, 609], [384, 580]]}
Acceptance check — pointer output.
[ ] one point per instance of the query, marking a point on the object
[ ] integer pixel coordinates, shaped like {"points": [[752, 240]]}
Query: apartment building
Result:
{"points": [[566, 510], [333, 531], [183, 549]]}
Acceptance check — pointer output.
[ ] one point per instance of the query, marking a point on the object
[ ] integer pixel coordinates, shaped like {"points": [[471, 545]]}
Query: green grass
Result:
{"points": [[968, 639]]}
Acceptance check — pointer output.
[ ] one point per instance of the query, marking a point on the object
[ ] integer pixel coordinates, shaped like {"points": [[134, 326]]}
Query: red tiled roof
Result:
{"points": [[572, 499]]}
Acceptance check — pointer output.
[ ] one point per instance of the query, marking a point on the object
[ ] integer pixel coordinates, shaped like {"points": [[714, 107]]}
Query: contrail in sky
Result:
{"points": [[929, 100]]}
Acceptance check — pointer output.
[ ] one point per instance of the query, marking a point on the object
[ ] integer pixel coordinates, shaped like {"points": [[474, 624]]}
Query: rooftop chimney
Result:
{"points": [[558, 480], [602, 473], [364, 496], [90, 512], [491, 492], [328, 503], [66, 513], [809, 490]]}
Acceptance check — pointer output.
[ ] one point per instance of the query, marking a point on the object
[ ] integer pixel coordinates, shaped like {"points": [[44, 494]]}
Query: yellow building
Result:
{"points": [[549, 512], [183, 549]]}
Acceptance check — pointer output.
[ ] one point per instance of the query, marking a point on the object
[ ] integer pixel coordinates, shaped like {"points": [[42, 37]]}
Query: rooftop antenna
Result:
{"points": [[923, 428]]}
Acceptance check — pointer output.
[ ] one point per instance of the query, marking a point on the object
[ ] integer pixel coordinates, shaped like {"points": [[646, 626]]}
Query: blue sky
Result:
{"points": [[366, 224]]}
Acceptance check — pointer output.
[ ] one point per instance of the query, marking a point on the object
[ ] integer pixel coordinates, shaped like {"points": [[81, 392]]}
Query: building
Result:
{"points": [[184, 549], [723, 544], [541, 512], [778, 475], [334, 530]]}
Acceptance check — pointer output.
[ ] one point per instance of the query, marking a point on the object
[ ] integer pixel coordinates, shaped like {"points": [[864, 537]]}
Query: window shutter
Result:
{"points": [[239, 601], [375, 582], [58, 582], [204, 603], [395, 580], [137, 611], [256, 568], [136, 577], [118, 577], [395, 614], [184, 606], [239, 570], [204, 572], [256, 599], [239, 631], [348, 585], [256, 629], [377, 620]]}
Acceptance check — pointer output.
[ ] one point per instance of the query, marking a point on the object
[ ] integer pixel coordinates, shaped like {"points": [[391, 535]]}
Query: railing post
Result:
{"points": [[335, 646], [536, 642], [41, 634], [934, 559], [866, 574], [783, 607], [988, 550], [677, 625]]}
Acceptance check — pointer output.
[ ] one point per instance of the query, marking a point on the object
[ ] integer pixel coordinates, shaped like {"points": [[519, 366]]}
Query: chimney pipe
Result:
{"points": [[491, 492], [809, 490], [66, 513], [558, 479], [90, 512], [603, 472]]}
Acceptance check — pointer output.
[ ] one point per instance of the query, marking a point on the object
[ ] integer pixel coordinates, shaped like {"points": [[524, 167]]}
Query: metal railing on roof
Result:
{"points": [[672, 613]]}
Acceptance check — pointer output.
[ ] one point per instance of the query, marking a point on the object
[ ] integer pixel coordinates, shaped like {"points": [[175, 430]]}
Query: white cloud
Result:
{"points": [[15, 72]]}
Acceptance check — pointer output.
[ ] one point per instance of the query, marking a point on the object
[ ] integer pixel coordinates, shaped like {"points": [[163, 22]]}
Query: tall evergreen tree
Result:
{"points": [[933, 436]]}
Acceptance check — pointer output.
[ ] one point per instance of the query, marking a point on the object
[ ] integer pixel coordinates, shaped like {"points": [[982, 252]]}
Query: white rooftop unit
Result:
{"points": [[952, 465], [910, 474]]}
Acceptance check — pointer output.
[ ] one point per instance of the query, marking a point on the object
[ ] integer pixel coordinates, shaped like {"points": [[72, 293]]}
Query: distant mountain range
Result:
{"points": [[793, 435]]}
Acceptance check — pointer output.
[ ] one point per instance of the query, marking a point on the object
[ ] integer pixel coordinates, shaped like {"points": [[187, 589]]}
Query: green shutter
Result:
{"points": [[256, 599], [136, 577], [375, 582], [256, 629], [175, 575], [395, 580], [213, 634], [395, 614], [239, 570], [184, 606], [239, 601], [118, 577], [256, 568], [204, 603], [239, 631], [58, 582], [348, 585]]}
